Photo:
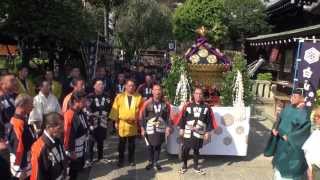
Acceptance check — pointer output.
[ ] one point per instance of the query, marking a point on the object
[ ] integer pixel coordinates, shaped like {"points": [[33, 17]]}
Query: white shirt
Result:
{"points": [[43, 105], [311, 149]]}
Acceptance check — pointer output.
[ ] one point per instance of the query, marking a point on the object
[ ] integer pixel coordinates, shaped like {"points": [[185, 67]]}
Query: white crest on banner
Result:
{"points": [[306, 85], [238, 102], [312, 55], [307, 73]]}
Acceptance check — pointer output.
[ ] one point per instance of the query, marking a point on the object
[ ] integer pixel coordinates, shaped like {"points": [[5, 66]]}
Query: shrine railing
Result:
{"points": [[263, 91]]}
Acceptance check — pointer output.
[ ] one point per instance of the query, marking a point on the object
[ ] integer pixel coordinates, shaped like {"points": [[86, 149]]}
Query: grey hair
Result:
{"points": [[22, 100]]}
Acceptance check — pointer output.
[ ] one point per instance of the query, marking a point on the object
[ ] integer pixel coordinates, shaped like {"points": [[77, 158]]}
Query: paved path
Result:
{"points": [[253, 167]]}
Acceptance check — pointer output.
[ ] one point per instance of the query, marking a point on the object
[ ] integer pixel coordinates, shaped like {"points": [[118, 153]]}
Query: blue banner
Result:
{"points": [[309, 70]]}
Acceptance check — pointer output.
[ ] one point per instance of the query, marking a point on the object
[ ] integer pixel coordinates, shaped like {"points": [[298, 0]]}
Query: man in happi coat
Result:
{"points": [[8, 85], [125, 113], [293, 130], [20, 138], [78, 85], [48, 160], [25, 85], [100, 105], [120, 85], [76, 133], [145, 89], [155, 125], [196, 121]]}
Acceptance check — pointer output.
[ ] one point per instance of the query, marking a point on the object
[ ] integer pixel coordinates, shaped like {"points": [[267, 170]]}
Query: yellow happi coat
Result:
{"points": [[56, 89], [30, 90], [126, 117]]}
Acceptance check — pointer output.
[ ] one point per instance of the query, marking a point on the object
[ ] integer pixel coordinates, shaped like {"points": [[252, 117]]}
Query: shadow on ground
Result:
{"points": [[258, 137]]}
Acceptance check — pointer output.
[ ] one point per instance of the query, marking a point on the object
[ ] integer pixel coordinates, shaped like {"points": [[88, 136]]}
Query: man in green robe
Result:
{"points": [[293, 130]]}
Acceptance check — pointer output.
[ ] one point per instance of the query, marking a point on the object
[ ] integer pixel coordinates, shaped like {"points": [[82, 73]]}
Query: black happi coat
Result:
{"points": [[155, 119], [76, 136], [196, 120], [100, 106], [21, 138], [48, 159], [145, 91], [7, 109]]}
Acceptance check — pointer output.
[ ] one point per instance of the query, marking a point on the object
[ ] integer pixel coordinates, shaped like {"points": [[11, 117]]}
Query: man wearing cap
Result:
{"points": [[292, 132]]}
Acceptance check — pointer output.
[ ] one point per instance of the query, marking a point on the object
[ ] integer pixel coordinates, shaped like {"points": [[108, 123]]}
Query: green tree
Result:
{"points": [[195, 13], [245, 18], [239, 63], [178, 66], [45, 26], [142, 24]]}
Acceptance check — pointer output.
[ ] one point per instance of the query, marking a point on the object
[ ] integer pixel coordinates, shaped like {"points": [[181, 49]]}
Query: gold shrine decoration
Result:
{"points": [[202, 31], [207, 74]]}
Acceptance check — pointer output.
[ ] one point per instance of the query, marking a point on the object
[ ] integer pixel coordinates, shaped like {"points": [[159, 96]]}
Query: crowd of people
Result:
{"points": [[49, 129]]}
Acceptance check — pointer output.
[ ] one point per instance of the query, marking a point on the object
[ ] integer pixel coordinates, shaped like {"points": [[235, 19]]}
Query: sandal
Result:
{"points": [[200, 171], [182, 170]]}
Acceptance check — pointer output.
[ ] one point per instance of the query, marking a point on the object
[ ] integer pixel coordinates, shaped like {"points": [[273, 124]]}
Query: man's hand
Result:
{"points": [[73, 156], [181, 132], [206, 138], [285, 137], [116, 125], [275, 132], [3, 144], [142, 132], [168, 131], [23, 175], [301, 105]]}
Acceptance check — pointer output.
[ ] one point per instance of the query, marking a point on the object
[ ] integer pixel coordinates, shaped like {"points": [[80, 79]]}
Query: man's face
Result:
{"points": [[121, 78], [49, 75], [75, 73], [10, 83], [45, 89], [82, 103], [197, 95], [317, 117], [99, 86], [101, 72], [156, 91], [23, 73], [80, 86], [130, 87], [148, 80], [296, 99], [57, 131], [28, 106], [141, 69]]}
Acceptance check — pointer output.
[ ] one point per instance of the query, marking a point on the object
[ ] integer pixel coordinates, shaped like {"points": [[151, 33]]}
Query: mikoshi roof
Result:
{"points": [[284, 37], [202, 52]]}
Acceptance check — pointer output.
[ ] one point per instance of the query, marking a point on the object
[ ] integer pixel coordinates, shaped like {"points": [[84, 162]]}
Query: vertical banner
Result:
{"points": [[309, 70], [93, 50]]}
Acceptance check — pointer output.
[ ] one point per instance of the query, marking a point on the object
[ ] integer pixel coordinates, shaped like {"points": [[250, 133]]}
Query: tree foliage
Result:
{"points": [[224, 19], [195, 13], [48, 24], [239, 63], [143, 24], [245, 18], [178, 66]]}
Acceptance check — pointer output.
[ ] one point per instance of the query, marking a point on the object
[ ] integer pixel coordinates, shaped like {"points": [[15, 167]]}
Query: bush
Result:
{"points": [[264, 76], [239, 63], [178, 65]]}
